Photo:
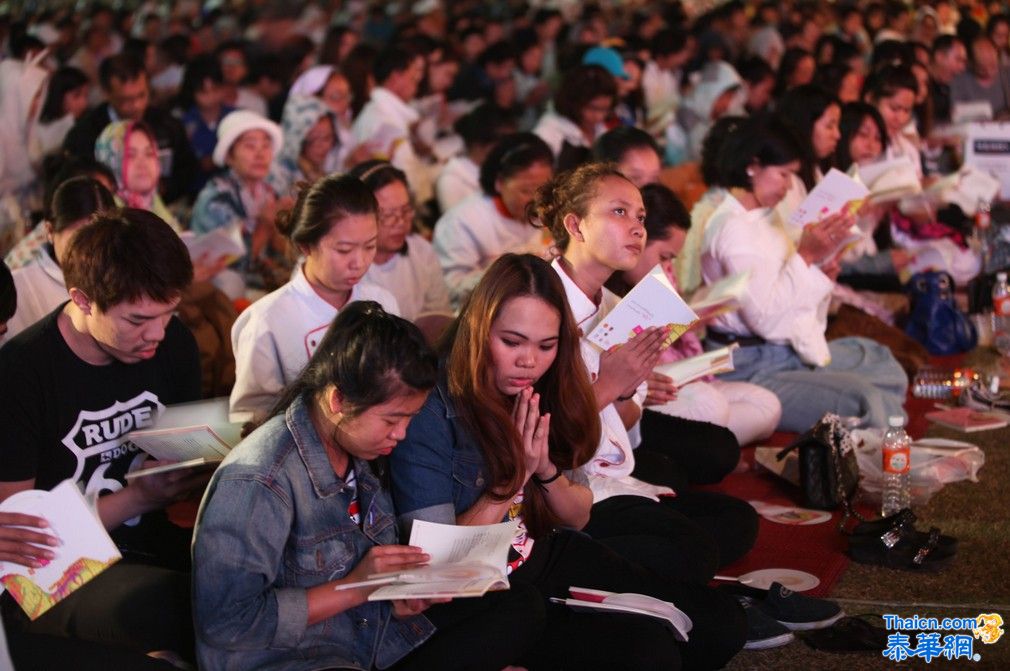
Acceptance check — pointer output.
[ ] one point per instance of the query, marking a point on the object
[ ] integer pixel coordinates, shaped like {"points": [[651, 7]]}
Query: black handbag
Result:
{"points": [[829, 473]]}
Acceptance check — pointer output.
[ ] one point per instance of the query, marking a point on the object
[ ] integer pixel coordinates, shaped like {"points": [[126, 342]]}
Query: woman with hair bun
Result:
{"points": [[333, 225]]}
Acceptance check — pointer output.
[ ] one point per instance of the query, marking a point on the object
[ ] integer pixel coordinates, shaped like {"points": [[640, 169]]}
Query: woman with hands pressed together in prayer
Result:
{"points": [[503, 437]]}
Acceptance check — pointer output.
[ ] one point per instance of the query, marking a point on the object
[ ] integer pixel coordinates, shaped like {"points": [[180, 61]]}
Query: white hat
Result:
{"points": [[238, 122], [312, 81]]}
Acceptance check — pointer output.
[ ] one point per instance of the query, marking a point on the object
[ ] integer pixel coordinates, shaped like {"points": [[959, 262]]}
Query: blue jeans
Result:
{"points": [[863, 380]]}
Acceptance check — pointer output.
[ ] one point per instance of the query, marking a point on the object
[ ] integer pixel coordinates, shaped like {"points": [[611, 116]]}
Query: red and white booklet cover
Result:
{"points": [[585, 599], [968, 420]]}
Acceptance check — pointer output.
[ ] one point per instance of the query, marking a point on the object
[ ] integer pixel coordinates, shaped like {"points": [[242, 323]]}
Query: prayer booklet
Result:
{"points": [[712, 300], [85, 549], [466, 561], [686, 371], [837, 192], [652, 302], [890, 180], [188, 432], [221, 242], [968, 420], [594, 600]]}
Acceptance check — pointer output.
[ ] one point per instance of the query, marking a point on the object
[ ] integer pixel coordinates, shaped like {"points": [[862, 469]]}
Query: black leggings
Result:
{"points": [[691, 452], [603, 641], [486, 633]]}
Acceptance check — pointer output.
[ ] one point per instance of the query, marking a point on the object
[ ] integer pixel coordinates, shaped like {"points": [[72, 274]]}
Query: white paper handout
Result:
{"points": [[85, 549], [652, 302], [190, 431], [221, 242], [466, 561], [585, 599], [694, 368], [712, 300], [987, 147]]}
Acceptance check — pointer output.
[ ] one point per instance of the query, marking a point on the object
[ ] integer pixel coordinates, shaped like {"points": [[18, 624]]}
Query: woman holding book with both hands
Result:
{"points": [[783, 316], [503, 436], [300, 507]]}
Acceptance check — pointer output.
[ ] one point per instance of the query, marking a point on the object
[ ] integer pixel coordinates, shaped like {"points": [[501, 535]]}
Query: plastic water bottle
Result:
{"points": [[897, 452], [1001, 315]]}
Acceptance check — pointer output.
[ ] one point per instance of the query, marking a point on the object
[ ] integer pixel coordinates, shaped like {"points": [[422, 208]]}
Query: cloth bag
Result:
{"points": [[934, 319]]}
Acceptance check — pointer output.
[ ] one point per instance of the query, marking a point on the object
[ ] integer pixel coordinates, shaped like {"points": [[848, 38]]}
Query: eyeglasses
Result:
{"points": [[389, 217]]}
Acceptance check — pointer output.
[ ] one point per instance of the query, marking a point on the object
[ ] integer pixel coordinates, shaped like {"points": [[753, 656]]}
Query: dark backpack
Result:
{"points": [[934, 320]]}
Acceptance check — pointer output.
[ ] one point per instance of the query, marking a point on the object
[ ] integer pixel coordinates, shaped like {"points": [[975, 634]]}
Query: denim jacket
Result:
{"points": [[438, 470], [272, 524]]}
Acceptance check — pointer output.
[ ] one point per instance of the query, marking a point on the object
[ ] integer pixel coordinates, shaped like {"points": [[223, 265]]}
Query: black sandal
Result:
{"points": [[902, 523], [892, 551]]}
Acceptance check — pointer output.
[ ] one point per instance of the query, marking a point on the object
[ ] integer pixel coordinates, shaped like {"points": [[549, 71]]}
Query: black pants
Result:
{"points": [[602, 641], [690, 452], [129, 607], [489, 633]]}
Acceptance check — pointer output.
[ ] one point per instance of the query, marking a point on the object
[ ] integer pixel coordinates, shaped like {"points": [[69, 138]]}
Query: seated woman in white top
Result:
{"points": [[333, 225], [405, 263], [39, 283], [782, 321], [460, 176], [580, 106], [749, 411], [471, 235]]}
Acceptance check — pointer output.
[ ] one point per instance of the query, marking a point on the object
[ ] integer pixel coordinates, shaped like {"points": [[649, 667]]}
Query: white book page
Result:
{"points": [[653, 302], [190, 431], [688, 370], [725, 293], [837, 191], [221, 242], [85, 549], [455, 544]]}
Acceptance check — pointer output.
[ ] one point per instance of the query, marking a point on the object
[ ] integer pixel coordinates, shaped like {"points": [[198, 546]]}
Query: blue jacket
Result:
{"points": [[272, 524], [438, 470]]}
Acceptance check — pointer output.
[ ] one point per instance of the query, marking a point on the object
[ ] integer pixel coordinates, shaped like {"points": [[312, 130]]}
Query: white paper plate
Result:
{"points": [[790, 515], [797, 581]]}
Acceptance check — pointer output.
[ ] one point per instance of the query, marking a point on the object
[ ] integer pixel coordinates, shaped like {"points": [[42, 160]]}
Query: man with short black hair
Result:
{"points": [[127, 89], [74, 385], [948, 59]]}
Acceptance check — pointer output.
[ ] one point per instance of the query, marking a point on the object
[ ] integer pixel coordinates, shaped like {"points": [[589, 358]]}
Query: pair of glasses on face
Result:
{"points": [[389, 217]]}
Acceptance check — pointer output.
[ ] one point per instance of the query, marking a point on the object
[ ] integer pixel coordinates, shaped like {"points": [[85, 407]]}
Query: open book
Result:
{"points": [[686, 371], [85, 549], [890, 180], [221, 242], [465, 561], [192, 434], [651, 302], [712, 300], [837, 192], [585, 599]]}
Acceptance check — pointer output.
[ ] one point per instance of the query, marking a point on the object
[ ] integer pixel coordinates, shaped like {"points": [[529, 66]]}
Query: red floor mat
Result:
{"points": [[817, 549]]}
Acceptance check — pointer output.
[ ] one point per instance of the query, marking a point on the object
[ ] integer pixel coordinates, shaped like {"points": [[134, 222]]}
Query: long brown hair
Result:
{"points": [[565, 390]]}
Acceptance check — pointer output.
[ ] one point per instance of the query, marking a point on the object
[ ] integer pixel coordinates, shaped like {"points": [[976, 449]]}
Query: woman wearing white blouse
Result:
{"points": [[782, 321]]}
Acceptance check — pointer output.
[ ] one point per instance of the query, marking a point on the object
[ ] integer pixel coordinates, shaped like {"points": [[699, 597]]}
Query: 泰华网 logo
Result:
{"points": [[949, 637]]}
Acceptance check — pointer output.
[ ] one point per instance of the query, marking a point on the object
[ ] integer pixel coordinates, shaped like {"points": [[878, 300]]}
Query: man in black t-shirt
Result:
{"points": [[75, 384]]}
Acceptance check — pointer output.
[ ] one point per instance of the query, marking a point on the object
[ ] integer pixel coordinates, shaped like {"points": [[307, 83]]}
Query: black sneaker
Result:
{"points": [[763, 632], [799, 612]]}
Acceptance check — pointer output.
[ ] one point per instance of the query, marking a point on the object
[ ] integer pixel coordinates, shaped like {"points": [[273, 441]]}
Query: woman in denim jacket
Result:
{"points": [[296, 509], [480, 452]]}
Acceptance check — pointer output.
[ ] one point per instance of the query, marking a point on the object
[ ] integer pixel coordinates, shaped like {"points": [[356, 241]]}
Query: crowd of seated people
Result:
{"points": [[384, 232]]}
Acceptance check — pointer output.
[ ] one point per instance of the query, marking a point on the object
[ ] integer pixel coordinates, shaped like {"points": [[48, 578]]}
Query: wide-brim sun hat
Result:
{"points": [[241, 121]]}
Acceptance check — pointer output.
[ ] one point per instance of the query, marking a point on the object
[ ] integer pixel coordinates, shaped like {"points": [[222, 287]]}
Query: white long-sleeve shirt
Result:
{"points": [[275, 337], [469, 237], [609, 471], [414, 278], [40, 290], [459, 178], [786, 300]]}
